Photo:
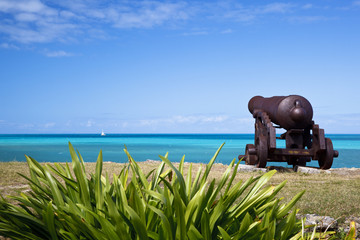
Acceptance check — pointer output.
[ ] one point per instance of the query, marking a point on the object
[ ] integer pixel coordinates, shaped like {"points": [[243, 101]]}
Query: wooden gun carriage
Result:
{"points": [[304, 139]]}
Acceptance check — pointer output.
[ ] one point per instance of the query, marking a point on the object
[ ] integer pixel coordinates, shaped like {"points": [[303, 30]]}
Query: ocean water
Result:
{"points": [[197, 148]]}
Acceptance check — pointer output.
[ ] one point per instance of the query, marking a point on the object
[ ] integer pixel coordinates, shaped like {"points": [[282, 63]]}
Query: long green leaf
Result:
{"points": [[57, 196], [17, 233], [221, 184], [155, 195], [49, 215], [31, 221], [181, 165], [193, 233], [283, 211], [259, 184], [210, 164], [136, 169], [196, 204], [290, 222], [138, 224], [352, 232], [180, 179], [232, 178], [205, 229], [164, 221], [157, 175], [224, 234], [195, 186], [99, 197], [81, 177], [188, 183], [136, 199], [260, 196], [180, 209]]}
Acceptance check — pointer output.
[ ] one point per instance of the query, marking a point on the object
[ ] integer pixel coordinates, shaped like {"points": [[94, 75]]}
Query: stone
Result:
{"points": [[323, 223], [311, 170], [250, 168]]}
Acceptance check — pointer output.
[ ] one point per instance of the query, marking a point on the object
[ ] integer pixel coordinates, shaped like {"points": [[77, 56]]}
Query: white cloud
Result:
{"points": [[227, 31], [194, 123], [245, 120], [215, 119], [59, 53], [148, 14], [276, 8], [49, 125], [193, 119], [26, 17], [33, 21], [196, 33], [40, 21], [27, 126], [237, 13], [356, 3], [88, 124], [22, 35], [307, 19], [247, 14], [22, 5], [9, 46], [68, 123], [307, 6]]}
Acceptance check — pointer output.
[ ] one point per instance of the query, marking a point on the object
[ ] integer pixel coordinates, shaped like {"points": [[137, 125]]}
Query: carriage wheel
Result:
{"points": [[326, 159], [250, 159], [262, 152]]}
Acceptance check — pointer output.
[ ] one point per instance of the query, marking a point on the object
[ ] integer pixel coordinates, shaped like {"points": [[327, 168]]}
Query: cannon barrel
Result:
{"points": [[289, 112]]}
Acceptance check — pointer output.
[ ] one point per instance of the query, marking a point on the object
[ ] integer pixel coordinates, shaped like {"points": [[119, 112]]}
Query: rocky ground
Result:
{"points": [[326, 223]]}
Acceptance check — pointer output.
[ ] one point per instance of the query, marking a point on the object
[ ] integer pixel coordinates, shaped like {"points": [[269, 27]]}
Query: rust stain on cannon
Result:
{"points": [[305, 141]]}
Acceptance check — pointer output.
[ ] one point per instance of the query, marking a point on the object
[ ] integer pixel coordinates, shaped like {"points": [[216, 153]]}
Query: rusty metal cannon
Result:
{"points": [[304, 139]]}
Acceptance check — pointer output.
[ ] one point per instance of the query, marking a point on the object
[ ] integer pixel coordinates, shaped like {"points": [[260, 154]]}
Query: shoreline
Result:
{"points": [[151, 161]]}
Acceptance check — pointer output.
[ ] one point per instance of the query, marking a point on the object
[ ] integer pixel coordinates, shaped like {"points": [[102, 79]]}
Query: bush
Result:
{"points": [[66, 204]]}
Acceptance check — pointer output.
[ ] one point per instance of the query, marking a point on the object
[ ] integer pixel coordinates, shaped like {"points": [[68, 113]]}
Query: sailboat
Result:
{"points": [[102, 133]]}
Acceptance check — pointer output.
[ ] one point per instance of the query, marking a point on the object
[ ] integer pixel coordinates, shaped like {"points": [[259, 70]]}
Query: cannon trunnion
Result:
{"points": [[304, 139]]}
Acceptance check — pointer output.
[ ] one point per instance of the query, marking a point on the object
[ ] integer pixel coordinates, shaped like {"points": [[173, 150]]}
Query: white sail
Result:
{"points": [[102, 133]]}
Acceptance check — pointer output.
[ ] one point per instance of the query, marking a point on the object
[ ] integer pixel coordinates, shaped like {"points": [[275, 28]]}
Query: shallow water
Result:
{"points": [[196, 147]]}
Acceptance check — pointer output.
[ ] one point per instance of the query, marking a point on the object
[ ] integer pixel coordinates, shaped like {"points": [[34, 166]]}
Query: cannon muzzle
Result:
{"points": [[289, 112]]}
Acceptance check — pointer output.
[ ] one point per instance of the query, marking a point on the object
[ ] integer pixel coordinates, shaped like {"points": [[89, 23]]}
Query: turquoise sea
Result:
{"points": [[196, 147]]}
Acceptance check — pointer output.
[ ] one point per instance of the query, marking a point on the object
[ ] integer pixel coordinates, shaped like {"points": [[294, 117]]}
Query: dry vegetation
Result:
{"points": [[336, 195]]}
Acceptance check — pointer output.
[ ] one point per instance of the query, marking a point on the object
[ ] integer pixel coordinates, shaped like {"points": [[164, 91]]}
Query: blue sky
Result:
{"points": [[75, 66]]}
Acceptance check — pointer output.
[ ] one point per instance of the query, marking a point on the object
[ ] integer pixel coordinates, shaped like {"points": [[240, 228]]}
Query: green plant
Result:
{"points": [[352, 232], [326, 235], [313, 235], [164, 204]]}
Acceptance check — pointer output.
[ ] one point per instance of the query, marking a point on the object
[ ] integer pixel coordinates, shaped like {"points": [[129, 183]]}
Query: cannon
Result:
{"points": [[305, 141]]}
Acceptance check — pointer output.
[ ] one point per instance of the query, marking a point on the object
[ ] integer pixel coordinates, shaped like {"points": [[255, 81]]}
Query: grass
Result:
{"points": [[333, 194]]}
